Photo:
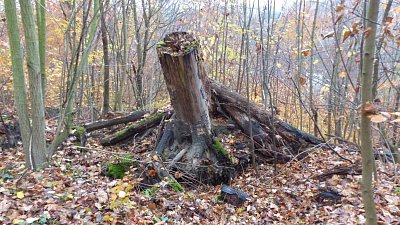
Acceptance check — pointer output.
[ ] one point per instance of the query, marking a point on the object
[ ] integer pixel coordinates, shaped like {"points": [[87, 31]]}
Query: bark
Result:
{"points": [[108, 123], [134, 129], [19, 84], [184, 74], [106, 61], [291, 136], [41, 25], [365, 126], [38, 141], [124, 68]]}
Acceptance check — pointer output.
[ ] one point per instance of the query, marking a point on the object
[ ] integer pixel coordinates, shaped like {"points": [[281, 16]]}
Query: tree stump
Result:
{"points": [[193, 149]]}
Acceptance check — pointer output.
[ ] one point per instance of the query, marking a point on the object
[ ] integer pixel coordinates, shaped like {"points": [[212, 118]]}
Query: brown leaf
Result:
{"points": [[342, 74], [354, 27], [368, 109], [389, 19], [306, 52], [258, 47], [152, 206], [328, 35], [152, 173], [340, 8], [367, 32], [302, 81], [388, 33]]}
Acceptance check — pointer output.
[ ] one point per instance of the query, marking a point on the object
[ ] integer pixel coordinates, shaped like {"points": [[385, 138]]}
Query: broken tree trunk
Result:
{"points": [[108, 123], [192, 150], [268, 128], [132, 130]]}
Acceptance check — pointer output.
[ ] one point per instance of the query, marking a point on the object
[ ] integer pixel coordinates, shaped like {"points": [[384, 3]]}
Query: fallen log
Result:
{"points": [[273, 127], [132, 130], [108, 123]]}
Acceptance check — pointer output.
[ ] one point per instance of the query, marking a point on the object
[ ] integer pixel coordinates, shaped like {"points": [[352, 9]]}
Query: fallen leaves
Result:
{"points": [[72, 189]]}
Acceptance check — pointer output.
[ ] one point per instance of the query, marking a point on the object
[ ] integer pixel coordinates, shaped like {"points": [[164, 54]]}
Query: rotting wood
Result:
{"points": [[108, 123], [130, 131]]}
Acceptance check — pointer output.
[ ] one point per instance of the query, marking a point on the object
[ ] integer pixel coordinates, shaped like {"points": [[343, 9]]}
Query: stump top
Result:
{"points": [[177, 43]]}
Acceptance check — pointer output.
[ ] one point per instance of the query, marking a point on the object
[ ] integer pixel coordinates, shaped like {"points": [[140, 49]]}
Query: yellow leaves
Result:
{"points": [[346, 34], [342, 74], [108, 218], [278, 65], [315, 62], [239, 211], [325, 88], [20, 194], [396, 10], [17, 221]]}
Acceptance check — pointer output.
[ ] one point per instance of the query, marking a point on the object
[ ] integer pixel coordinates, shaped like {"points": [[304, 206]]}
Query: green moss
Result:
{"points": [[79, 131], [117, 167], [116, 171], [149, 119], [175, 185], [219, 147]]}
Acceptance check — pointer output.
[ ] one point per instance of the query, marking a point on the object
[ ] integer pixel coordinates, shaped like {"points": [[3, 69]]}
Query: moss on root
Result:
{"points": [[219, 147]]}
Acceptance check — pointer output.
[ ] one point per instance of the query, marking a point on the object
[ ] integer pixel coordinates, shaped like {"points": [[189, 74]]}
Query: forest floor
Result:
{"points": [[73, 190]]}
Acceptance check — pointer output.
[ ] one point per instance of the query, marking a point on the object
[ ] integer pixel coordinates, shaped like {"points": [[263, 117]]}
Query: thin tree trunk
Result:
{"points": [[366, 101], [38, 139], [106, 61], [18, 77], [311, 87], [41, 25]]}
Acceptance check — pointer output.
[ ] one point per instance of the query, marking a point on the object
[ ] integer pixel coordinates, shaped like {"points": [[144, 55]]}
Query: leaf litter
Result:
{"points": [[73, 190]]}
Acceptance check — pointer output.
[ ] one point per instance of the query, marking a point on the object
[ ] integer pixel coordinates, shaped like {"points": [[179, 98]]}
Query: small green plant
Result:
{"points": [[219, 197], [5, 174], [161, 44], [117, 167], [79, 131], [151, 192], [116, 171], [175, 185]]}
